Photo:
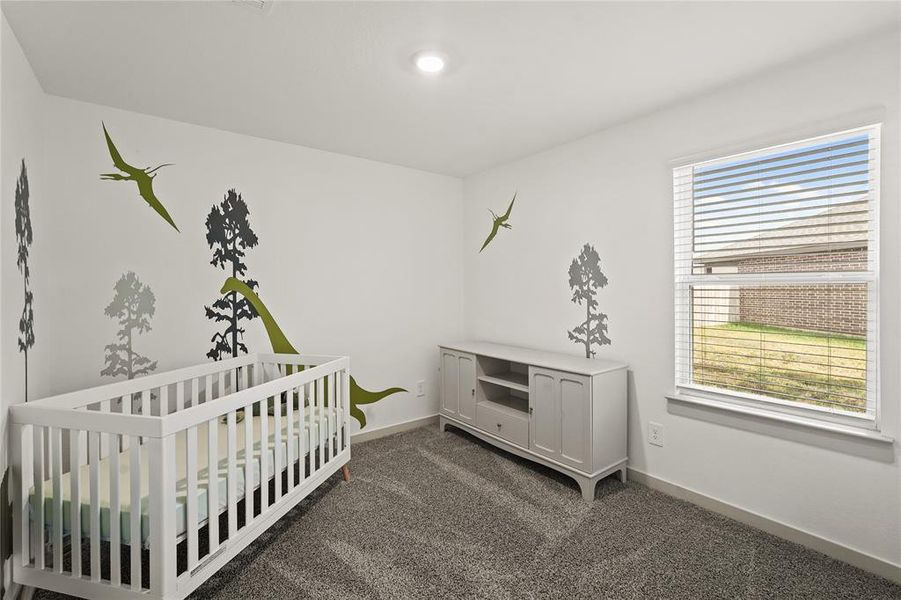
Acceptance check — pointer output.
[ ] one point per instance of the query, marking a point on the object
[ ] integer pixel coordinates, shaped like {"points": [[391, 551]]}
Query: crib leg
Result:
{"points": [[345, 471]]}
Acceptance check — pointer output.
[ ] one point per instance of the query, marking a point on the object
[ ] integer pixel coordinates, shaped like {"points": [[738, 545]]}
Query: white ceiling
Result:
{"points": [[337, 76]]}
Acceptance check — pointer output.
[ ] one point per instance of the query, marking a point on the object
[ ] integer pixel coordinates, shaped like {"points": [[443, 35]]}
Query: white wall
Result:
{"points": [[21, 103], [614, 190], [354, 257], [21, 107]]}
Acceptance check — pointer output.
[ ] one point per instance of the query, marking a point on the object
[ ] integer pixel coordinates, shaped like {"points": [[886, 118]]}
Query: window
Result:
{"points": [[776, 276]]}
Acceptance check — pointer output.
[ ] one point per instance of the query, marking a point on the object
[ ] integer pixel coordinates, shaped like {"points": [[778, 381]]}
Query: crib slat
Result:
{"points": [[212, 491], [323, 420], [264, 454], [345, 409], [222, 388], [332, 401], [191, 524], [209, 388], [248, 465], [56, 465], [21, 481], [320, 392], [115, 518], [289, 437], [310, 422], [339, 411], [277, 446], [145, 403], [38, 440], [105, 407], [75, 444], [231, 482], [94, 460], [180, 396], [301, 453], [163, 565], [164, 400], [134, 540], [302, 432], [310, 394], [195, 391], [126, 404]]}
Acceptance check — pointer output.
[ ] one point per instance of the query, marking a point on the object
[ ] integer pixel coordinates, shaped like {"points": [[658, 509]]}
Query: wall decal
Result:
{"points": [[585, 277], [133, 306], [281, 345], [499, 221], [142, 177], [24, 239], [229, 231]]}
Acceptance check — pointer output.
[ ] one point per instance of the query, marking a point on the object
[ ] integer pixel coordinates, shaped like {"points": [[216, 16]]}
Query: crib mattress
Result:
{"points": [[310, 439]]}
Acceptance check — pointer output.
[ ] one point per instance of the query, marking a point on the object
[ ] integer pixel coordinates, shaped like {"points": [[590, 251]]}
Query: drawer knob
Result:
{"points": [[498, 425]]}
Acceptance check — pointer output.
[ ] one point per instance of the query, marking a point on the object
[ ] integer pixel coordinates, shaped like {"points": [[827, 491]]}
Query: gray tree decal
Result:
{"points": [[585, 277], [228, 231], [24, 238], [133, 306]]}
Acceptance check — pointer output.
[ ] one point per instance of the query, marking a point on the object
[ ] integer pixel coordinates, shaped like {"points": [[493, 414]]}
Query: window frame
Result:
{"points": [[685, 280]]}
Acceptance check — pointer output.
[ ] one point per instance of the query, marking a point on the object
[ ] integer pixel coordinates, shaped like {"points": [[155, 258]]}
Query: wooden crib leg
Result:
{"points": [[345, 471]]}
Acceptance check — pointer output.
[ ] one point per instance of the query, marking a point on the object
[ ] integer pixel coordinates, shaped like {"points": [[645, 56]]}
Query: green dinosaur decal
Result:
{"points": [[499, 221], [142, 177], [281, 345]]}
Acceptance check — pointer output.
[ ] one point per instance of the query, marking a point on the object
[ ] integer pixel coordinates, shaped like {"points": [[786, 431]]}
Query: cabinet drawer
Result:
{"points": [[504, 422]]}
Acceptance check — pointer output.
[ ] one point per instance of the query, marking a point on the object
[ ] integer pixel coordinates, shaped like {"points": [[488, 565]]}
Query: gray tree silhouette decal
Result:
{"points": [[24, 239], [228, 231], [585, 277], [133, 306]]}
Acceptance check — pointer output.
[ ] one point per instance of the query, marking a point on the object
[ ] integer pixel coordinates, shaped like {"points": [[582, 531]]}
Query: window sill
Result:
{"points": [[848, 430]]}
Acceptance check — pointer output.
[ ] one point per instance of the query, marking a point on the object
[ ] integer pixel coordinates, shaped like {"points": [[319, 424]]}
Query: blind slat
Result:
{"points": [[700, 184], [702, 171]]}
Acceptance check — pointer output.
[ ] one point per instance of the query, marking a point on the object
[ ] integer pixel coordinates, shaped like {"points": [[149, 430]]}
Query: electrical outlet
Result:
{"points": [[655, 434], [420, 389]]}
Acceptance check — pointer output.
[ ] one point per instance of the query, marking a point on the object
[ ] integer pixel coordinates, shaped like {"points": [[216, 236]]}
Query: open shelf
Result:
{"points": [[510, 379], [511, 405]]}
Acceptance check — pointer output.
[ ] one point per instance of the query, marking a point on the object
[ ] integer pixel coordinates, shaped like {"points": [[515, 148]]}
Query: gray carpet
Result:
{"points": [[442, 515]]}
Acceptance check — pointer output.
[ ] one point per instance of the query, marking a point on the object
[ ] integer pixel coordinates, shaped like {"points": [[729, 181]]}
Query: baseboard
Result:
{"points": [[859, 559], [372, 434]]}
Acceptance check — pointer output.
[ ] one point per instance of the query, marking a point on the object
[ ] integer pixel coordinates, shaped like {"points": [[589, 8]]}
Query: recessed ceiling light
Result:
{"points": [[429, 62]]}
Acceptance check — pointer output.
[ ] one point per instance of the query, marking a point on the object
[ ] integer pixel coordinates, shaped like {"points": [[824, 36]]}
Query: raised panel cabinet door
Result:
{"points": [[544, 406], [467, 388], [575, 420], [450, 383]]}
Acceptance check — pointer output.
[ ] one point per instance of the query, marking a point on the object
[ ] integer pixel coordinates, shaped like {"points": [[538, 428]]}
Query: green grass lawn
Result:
{"points": [[815, 368]]}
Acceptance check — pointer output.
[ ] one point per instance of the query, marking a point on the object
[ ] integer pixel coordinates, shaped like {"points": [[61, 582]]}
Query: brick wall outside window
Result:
{"points": [[833, 307]]}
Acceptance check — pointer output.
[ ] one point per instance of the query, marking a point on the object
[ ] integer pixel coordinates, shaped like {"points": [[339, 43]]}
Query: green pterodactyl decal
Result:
{"points": [[281, 345], [499, 221], [142, 177]]}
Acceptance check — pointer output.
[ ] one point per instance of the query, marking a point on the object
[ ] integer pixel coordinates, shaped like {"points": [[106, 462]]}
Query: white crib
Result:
{"points": [[135, 456]]}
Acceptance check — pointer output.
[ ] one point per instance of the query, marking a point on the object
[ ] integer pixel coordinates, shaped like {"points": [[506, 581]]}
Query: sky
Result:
{"points": [[811, 192]]}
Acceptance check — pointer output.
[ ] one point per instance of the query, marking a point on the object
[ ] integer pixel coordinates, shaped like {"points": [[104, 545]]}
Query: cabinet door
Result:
{"points": [[544, 406], [575, 421], [466, 387], [450, 383]]}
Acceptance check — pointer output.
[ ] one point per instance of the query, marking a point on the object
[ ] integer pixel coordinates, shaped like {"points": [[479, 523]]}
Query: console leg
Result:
{"points": [[587, 486], [622, 475], [345, 472]]}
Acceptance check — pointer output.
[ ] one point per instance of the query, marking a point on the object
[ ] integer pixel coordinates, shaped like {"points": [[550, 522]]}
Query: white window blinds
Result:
{"points": [[776, 276]]}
